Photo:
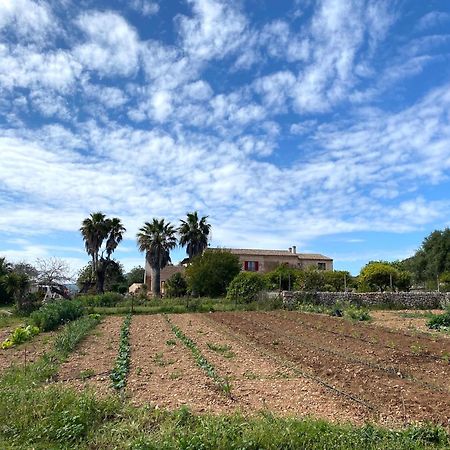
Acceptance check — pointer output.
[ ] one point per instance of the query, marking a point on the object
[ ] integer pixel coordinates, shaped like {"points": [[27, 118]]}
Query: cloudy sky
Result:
{"points": [[324, 124]]}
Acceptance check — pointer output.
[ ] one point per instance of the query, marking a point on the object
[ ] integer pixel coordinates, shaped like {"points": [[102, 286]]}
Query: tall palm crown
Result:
{"points": [[156, 239], [194, 234], [94, 231], [115, 231]]}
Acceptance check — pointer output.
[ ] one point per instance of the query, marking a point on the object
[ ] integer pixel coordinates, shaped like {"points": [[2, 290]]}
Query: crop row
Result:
{"points": [[119, 374], [223, 384]]}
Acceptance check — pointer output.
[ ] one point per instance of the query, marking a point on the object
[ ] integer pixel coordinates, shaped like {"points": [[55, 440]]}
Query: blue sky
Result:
{"points": [[321, 124]]}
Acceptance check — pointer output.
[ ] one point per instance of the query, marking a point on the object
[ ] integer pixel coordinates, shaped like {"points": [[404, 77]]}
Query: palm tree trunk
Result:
{"points": [[156, 282]]}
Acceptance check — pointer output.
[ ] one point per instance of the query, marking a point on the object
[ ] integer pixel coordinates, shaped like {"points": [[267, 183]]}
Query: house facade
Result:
{"points": [[166, 273], [259, 260]]}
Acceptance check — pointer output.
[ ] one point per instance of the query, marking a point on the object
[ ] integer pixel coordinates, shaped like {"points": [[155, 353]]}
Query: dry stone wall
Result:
{"points": [[395, 300]]}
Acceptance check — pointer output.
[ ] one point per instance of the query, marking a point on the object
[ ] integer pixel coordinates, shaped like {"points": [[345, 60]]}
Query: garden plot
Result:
{"points": [[164, 373], [27, 352], [402, 356], [394, 399], [406, 320], [91, 363], [259, 382]]}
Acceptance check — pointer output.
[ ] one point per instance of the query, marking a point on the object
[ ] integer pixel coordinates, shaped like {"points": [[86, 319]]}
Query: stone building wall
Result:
{"points": [[399, 300]]}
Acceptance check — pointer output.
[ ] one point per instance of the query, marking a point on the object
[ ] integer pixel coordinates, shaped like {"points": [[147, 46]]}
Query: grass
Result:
{"points": [[9, 321], [59, 418]]}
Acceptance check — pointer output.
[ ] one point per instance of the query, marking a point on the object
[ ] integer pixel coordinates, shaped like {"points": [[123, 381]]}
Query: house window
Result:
{"points": [[321, 266], [251, 266]]}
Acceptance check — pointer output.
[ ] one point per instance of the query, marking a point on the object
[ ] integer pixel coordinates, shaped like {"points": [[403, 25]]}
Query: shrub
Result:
{"points": [[176, 285], [53, 314], [106, 299], [210, 273], [245, 287], [359, 314], [440, 322]]}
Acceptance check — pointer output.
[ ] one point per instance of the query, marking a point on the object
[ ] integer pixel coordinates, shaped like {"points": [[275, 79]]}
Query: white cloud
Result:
{"points": [[112, 46], [145, 7], [433, 19], [215, 29]]}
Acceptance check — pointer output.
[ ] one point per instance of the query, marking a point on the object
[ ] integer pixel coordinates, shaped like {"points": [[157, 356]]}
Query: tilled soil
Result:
{"points": [[396, 321], [349, 369], [27, 352], [411, 362], [91, 363], [260, 382], [163, 371]]}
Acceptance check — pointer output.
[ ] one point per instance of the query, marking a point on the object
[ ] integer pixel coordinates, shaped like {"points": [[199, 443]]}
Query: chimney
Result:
{"points": [[294, 249], [290, 249]]}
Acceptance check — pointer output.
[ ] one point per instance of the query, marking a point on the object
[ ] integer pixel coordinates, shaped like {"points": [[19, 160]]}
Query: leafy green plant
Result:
{"points": [[440, 322], [119, 374], [20, 335], [223, 384], [358, 314], [51, 315], [224, 350]]}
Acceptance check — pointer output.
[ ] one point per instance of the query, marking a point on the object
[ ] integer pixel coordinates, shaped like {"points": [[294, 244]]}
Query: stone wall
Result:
{"points": [[395, 300]]}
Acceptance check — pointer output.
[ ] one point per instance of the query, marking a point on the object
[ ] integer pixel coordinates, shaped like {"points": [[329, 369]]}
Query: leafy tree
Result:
{"points": [[194, 233], [176, 285], [25, 268], [210, 273], [135, 275], [95, 230], [378, 276], [156, 239], [432, 258], [245, 287], [114, 277]]}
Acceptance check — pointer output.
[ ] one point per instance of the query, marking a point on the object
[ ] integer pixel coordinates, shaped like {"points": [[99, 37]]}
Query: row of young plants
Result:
{"points": [[119, 374], [222, 383], [47, 318]]}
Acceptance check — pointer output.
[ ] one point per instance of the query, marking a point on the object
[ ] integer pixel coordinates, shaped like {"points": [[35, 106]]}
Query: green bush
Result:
{"points": [[106, 299], [176, 286], [355, 313], [210, 273], [53, 314], [245, 287], [440, 322]]}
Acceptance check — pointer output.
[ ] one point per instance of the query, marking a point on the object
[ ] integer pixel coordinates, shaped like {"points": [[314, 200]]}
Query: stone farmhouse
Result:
{"points": [[254, 260]]}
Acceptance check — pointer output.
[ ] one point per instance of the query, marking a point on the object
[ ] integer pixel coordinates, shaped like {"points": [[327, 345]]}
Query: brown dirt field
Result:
{"points": [[398, 356], [396, 399], [259, 382], [396, 321], [166, 375], [30, 350], [90, 364]]}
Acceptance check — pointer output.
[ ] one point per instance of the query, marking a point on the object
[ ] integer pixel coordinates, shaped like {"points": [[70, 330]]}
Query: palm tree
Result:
{"points": [[156, 239], [194, 234], [95, 229], [17, 285]]}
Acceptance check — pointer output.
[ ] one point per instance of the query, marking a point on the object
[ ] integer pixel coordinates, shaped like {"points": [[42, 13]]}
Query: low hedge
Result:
{"points": [[107, 299], [51, 315]]}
